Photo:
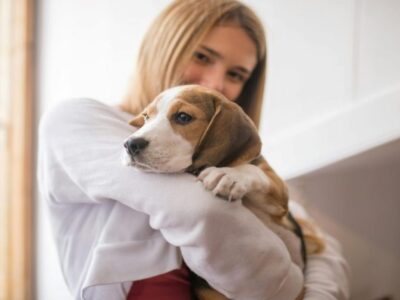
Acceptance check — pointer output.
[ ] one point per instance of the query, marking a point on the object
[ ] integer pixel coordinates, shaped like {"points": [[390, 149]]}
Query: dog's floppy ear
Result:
{"points": [[138, 121], [230, 139]]}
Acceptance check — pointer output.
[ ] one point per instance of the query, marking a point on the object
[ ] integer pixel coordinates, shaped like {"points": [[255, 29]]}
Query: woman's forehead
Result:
{"points": [[231, 43]]}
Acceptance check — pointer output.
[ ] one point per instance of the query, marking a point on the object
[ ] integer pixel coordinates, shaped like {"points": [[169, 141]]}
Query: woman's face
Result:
{"points": [[223, 61]]}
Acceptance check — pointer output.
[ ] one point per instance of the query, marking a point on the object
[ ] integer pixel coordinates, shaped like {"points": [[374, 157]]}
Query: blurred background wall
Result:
{"points": [[330, 121]]}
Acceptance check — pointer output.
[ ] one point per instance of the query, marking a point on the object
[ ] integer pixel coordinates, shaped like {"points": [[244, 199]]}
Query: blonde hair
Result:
{"points": [[174, 36]]}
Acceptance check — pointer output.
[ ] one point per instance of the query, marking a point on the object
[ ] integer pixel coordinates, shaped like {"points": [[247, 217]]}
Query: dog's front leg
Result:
{"points": [[233, 183], [257, 181]]}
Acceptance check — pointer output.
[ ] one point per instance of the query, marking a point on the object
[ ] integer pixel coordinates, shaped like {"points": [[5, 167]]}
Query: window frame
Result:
{"points": [[16, 184]]}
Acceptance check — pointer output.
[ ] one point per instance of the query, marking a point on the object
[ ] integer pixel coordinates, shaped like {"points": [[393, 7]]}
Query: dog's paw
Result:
{"points": [[227, 182]]}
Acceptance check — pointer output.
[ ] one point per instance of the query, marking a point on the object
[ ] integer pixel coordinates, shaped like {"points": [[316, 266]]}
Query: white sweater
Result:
{"points": [[113, 224]]}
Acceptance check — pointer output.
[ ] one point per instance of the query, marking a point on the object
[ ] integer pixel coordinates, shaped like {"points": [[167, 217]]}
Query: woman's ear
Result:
{"points": [[230, 139], [137, 121]]}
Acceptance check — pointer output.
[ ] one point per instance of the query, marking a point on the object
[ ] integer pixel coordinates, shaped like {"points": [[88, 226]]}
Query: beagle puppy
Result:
{"points": [[195, 129]]}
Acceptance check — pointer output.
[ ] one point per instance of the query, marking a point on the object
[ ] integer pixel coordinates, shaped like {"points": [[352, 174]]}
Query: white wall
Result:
{"points": [[334, 70], [333, 83]]}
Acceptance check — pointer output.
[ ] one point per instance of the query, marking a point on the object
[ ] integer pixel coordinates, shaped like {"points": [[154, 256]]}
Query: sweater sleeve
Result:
{"points": [[327, 273], [222, 242]]}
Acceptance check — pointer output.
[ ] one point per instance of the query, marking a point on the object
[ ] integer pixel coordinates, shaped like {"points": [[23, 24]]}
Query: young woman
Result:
{"points": [[115, 226]]}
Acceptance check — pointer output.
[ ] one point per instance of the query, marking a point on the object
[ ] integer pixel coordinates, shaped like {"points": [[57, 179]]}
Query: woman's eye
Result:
{"points": [[183, 118], [200, 57], [237, 77]]}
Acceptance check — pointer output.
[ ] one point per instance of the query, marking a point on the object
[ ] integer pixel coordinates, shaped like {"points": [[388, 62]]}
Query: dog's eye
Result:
{"points": [[182, 118], [146, 116]]}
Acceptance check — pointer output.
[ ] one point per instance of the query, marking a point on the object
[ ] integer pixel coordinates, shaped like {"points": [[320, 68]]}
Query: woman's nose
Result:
{"points": [[213, 80]]}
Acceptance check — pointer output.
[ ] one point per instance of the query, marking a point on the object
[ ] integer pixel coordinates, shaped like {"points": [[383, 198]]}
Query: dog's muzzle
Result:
{"points": [[135, 145]]}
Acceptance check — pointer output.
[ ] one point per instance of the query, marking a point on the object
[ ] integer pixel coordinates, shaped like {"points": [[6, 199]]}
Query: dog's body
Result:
{"points": [[195, 129]]}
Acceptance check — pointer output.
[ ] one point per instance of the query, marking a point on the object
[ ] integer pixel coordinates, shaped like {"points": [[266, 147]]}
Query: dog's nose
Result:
{"points": [[134, 146]]}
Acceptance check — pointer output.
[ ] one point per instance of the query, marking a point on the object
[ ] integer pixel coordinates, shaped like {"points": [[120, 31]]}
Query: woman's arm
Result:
{"points": [[222, 242], [327, 273]]}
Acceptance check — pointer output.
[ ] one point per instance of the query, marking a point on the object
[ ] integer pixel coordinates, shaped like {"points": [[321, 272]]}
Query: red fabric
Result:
{"points": [[174, 285]]}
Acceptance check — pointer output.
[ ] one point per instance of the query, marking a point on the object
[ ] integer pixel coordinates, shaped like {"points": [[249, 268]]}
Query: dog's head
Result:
{"points": [[188, 128]]}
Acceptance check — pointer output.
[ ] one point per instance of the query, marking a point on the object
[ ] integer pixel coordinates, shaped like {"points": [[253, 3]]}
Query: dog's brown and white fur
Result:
{"points": [[195, 129]]}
